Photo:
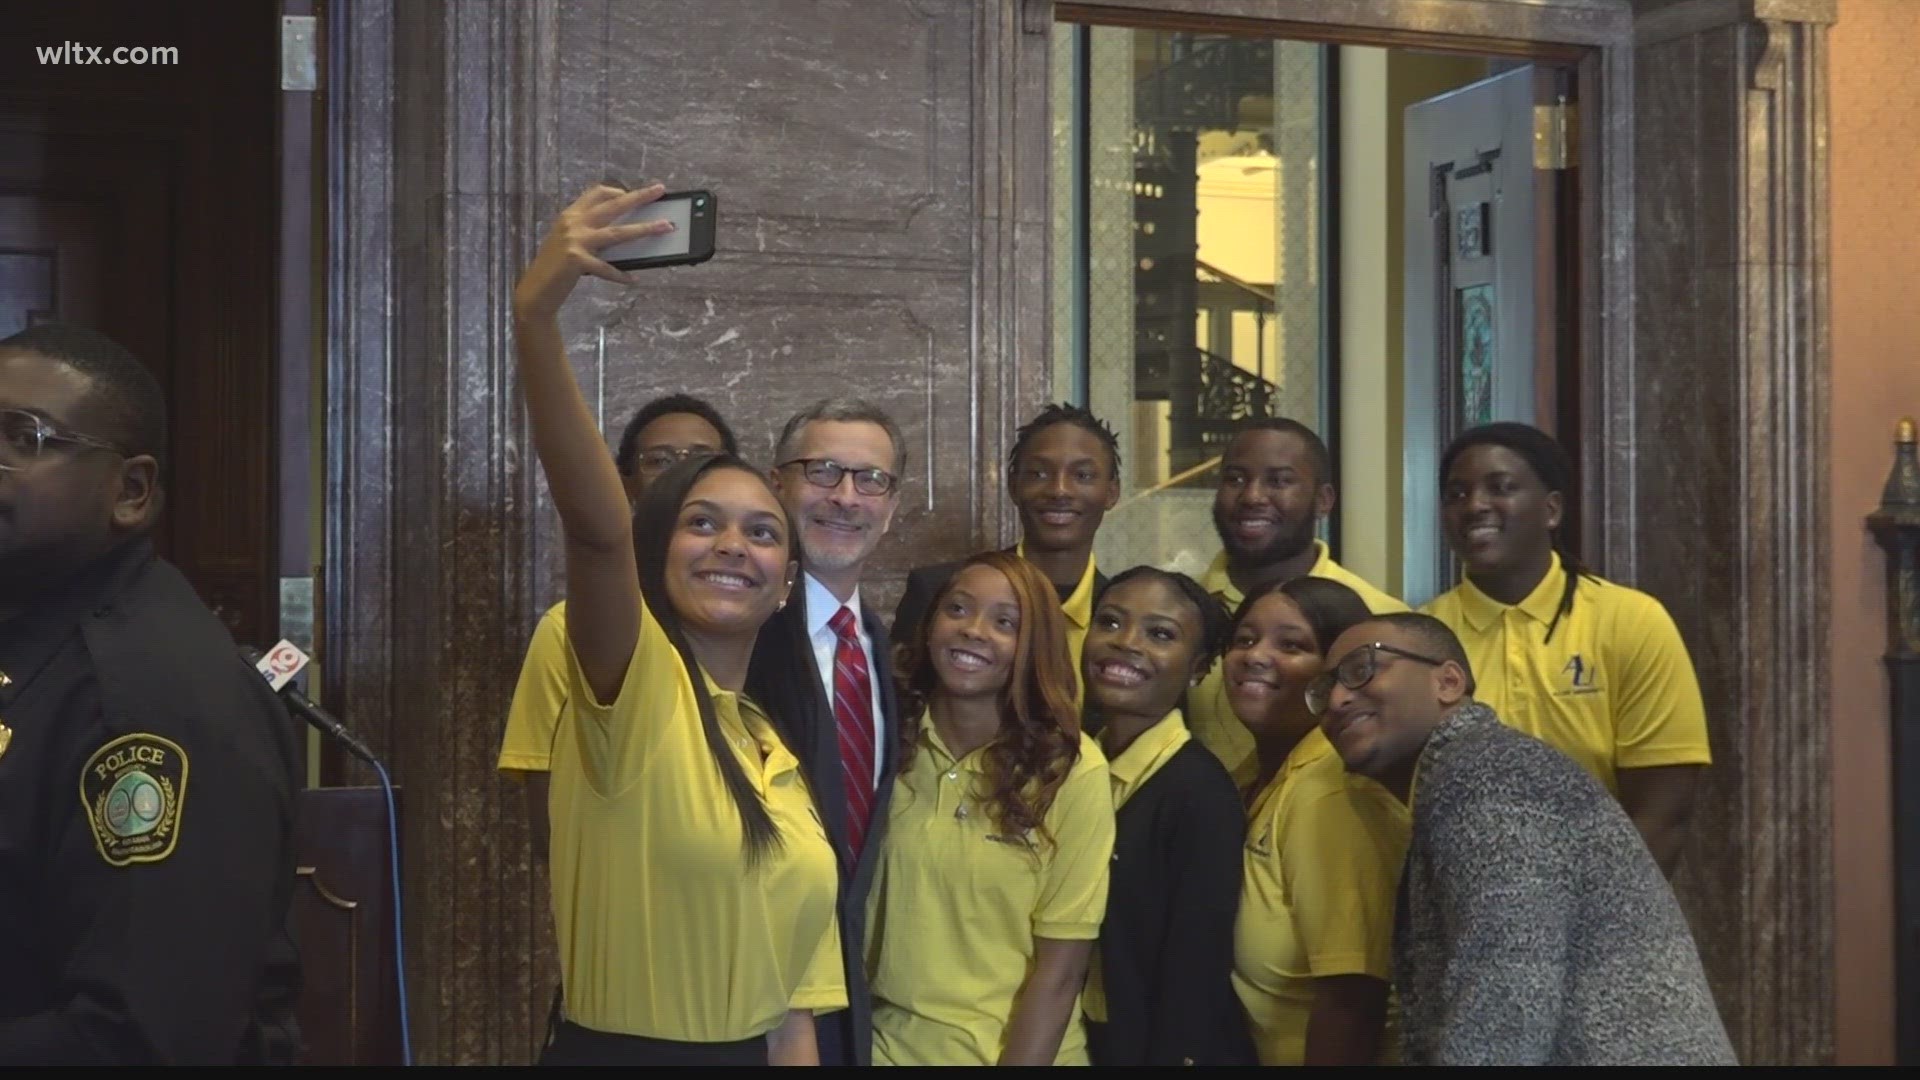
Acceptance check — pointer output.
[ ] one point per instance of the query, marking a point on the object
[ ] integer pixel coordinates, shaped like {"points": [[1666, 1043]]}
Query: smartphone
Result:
{"points": [[693, 214]]}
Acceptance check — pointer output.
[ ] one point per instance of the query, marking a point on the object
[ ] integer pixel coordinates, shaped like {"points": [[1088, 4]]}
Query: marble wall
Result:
{"points": [[1728, 375], [878, 212], [882, 175]]}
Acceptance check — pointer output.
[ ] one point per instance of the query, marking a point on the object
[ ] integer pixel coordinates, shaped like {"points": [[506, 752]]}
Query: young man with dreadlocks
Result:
{"points": [[1593, 668], [1063, 475]]}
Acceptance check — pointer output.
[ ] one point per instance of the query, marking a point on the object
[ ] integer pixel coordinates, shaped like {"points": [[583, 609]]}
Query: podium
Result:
{"points": [[342, 922]]}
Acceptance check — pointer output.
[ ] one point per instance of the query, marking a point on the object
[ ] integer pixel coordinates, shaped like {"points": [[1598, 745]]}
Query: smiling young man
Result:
{"points": [[1535, 926], [1276, 484], [1063, 475], [1593, 668], [837, 469]]}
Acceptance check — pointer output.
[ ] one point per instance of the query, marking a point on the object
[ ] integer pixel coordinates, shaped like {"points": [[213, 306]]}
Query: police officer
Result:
{"points": [[146, 772]]}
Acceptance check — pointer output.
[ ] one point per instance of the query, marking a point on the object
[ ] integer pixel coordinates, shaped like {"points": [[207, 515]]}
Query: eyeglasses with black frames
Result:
{"points": [[826, 473], [1355, 670]]}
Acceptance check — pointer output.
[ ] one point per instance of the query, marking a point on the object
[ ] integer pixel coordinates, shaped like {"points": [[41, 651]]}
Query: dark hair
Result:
{"points": [[1316, 447], [1544, 455], [1330, 608], [1039, 738], [1063, 413], [843, 411], [1215, 625], [654, 521], [132, 406], [1435, 638], [627, 457]]}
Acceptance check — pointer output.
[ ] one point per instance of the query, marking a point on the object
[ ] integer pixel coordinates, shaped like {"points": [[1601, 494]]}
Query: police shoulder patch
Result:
{"points": [[132, 789]]}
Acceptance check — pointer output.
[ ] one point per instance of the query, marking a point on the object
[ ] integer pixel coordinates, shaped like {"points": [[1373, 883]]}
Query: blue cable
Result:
{"points": [[399, 935]]}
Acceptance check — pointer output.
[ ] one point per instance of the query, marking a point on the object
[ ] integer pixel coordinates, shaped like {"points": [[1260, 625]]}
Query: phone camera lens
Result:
{"points": [[699, 203]]}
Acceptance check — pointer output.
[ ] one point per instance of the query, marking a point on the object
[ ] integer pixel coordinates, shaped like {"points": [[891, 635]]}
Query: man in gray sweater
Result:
{"points": [[1534, 927]]}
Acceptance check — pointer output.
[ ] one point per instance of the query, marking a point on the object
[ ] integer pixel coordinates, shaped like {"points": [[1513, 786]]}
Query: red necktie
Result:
{"points": [[853, 715]]}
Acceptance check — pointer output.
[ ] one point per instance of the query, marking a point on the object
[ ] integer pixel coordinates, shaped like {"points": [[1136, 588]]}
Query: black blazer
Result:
{"points": [[1166, 945], [783, 670], [924, 583]]}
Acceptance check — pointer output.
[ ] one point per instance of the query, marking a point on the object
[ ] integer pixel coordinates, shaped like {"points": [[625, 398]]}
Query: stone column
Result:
{"points": [[1727, 407], [882, 218]]}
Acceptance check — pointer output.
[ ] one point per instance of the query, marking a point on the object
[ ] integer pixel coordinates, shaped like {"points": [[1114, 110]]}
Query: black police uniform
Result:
{"points": [[146, 830]]}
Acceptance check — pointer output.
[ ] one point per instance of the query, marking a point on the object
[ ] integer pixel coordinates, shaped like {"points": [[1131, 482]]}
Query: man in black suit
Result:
{"points": [[1063, 476], [837, 468]]}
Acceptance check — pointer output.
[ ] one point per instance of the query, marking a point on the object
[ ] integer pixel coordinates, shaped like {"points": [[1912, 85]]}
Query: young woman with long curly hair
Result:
{"points": [[993, 878]]}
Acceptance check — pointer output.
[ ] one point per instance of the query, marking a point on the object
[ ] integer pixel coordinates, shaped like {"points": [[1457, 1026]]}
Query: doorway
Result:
{"points": [[1244, 225]]}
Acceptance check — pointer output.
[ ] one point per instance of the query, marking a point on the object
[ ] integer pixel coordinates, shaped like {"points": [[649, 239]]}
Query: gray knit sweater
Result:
{"points": [[1534, 926]]}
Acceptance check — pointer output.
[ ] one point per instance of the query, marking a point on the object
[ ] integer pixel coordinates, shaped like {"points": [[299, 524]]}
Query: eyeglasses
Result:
{"points": [[24, 437], [826, 473], [1355, 670], [662, 458]]}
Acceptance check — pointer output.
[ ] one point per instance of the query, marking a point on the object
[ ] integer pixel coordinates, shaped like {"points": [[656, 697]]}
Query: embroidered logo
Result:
{"points": [[132, 789], [1580, 676]]}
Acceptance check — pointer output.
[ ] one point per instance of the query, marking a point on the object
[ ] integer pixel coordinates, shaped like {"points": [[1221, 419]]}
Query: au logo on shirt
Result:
{"points": [[1580, 676], [132, 789]]}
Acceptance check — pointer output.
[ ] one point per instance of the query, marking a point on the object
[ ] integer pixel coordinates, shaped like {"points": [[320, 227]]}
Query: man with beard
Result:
{"points": [[146, 771], [1063, 475], [837, 471], [1275, 487]]}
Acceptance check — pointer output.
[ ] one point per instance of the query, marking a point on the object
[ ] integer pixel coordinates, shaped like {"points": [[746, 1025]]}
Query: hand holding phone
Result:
{"points": [[693, 214]]}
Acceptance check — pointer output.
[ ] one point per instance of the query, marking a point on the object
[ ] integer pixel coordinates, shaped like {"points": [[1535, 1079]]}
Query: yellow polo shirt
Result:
{"points": [[664, 928], [538, 697], [955, 908], [1129, 771], [1078, 608], [1614, 689], [1323, 855], [1211, 714]]}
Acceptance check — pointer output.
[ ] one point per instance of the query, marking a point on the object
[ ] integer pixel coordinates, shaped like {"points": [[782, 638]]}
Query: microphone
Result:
{"points": [[278, 668]]}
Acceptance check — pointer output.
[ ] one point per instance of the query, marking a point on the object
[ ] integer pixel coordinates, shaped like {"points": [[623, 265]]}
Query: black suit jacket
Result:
{"points": [[1166, 944], [783, 670], [924, 583]]}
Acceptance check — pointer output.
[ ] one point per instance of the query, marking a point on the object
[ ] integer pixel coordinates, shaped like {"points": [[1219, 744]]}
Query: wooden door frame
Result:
{"points": [[1733, 287]]}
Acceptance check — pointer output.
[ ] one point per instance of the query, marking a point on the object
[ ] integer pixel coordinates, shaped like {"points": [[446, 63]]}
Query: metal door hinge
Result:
{"points": [[1554, 138], [299, 53]]}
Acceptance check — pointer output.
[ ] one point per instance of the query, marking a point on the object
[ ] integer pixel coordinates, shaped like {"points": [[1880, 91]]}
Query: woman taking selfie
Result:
{"points": [[993, 875], [693, 887], [1313, 942], [1160, 990]]}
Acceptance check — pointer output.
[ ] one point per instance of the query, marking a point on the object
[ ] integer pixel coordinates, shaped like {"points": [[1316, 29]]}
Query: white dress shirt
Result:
{"points": [[822, 605]]}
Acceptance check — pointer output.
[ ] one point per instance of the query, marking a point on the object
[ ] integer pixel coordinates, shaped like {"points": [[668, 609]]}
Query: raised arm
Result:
{"points": [[603, 583]]}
